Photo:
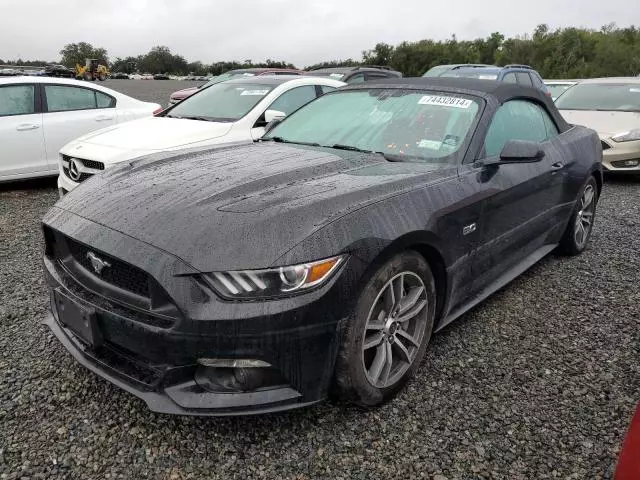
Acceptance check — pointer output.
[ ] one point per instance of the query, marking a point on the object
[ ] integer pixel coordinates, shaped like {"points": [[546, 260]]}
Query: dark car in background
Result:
{"points": [[519, 74], [59, 71], [356, 74], [242, 72], [260, 277]]}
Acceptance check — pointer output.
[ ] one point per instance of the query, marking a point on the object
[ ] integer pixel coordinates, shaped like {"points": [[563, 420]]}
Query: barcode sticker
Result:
{"points": [[455, 102]]}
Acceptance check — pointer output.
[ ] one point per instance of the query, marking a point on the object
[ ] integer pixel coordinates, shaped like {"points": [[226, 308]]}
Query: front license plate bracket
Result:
{"points": [[81, 320]]}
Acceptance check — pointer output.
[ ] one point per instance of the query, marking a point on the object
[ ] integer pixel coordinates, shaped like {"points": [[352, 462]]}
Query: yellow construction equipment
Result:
{"points": [[92, 70]]}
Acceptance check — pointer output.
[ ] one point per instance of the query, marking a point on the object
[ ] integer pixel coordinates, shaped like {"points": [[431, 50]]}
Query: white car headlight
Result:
{"points": [[629, 136], [272, 282]]}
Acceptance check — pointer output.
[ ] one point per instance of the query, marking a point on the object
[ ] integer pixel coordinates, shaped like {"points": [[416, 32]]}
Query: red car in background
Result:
{"points": [[243, 72]]}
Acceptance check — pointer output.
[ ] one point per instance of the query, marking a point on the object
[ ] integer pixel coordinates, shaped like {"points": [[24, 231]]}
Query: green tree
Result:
{"points": [[73, 53], [380, 55], [125, 65]]}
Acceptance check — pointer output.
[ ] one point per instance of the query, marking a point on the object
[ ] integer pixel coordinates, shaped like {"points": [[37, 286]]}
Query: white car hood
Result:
{"points": [[149, 135], [156, 133], [606, 124]]}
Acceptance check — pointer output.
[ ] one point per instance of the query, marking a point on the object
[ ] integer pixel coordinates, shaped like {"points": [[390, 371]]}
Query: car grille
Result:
{"points": [[87, 163], [83, 176], [119, 274], [605, 145]]}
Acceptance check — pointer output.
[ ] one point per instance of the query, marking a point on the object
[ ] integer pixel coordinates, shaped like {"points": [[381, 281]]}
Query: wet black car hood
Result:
{"points": [[241, 207]]}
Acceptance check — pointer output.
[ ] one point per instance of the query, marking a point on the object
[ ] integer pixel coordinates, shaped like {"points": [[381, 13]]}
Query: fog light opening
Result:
{"points": [[238, 379]]}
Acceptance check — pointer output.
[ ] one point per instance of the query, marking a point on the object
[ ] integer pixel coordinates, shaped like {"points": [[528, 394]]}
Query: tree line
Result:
{"points": [[560, 53]]}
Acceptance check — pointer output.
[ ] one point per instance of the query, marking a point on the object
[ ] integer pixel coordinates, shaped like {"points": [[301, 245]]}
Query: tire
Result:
{"points": [[356, 369], [572, 242], [102, 77]]}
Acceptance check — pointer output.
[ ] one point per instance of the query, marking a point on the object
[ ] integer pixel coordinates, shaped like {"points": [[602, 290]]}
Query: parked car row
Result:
{"points": [[273, 238]]}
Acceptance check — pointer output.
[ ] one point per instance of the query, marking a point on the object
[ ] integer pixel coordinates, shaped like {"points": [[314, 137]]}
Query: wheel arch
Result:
{"points": [[432, 249], [597, 174]]}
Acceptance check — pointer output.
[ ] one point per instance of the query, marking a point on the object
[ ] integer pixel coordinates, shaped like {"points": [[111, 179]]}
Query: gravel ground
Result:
{"points": [[156, 91], [538, 382]]}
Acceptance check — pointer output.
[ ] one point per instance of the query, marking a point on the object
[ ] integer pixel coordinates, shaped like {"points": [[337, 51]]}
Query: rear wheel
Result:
{"points": [[387, 336], [578, 232], [102, 77]]}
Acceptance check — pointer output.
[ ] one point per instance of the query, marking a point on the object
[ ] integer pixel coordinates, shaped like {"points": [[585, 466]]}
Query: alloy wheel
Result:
{"points": [[395, 329], [584, 217]]}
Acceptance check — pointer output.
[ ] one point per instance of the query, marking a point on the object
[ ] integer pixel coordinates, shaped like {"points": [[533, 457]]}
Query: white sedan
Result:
{"points": [[38, 115], [232, 111]]}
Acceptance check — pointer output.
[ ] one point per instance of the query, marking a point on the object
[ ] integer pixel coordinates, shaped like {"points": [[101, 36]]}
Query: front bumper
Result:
{"points": [[622, 157], [181, 397], [154, 355]]}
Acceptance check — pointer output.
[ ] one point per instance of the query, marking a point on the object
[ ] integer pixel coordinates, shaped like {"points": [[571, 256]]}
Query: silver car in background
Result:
{"points": [[558, 87], [611, 106]]}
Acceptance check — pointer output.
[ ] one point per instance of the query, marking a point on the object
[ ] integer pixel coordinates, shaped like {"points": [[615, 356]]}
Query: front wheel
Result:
{"points": [[576, 236], [386, 337]]}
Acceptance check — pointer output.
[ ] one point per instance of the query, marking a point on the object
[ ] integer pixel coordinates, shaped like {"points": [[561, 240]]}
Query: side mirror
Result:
{"points": [[271, 115], [518, 151], [524, 151], [272, 124]]}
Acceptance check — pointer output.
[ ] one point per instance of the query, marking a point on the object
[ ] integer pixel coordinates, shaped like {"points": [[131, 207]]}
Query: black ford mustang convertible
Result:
{"points": [[262, 277]]}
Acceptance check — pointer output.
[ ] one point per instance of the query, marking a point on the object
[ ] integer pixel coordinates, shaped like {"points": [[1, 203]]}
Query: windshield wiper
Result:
{"points": [[282, 140], [350, 148], [203, 119], [387, 156]]}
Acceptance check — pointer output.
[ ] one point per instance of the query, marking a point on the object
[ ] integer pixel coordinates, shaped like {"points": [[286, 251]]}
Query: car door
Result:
{"points": [[72, 111], [519, 200], [287, 103], [22, 151]]}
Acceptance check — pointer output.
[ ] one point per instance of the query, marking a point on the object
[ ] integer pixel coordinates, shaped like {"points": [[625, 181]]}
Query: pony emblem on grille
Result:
{"points": [[97, 263]]}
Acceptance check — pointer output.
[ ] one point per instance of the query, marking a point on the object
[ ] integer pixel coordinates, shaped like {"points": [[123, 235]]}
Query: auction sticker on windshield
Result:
{"points": [[455, 102], [255, 92]]}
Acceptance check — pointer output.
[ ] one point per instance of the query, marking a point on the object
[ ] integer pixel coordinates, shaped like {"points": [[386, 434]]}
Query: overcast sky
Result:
{"points": [[300, 31]]}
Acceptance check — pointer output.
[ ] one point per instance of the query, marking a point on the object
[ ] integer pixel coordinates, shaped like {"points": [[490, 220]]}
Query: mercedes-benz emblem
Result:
{"points": [[97, 263], [74, 169]]}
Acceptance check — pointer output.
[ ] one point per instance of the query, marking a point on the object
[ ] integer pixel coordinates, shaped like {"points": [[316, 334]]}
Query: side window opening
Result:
{"points": [[515, 120]]}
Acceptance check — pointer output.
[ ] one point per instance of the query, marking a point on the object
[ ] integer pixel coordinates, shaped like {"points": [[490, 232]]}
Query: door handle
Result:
{"points": [[557, 166], [102, 118], [27, 126]]}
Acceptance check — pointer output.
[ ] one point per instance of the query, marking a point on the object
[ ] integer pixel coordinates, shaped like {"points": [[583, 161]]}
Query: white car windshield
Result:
{"points": [[621, 97], [222, 102], [400, 124]]}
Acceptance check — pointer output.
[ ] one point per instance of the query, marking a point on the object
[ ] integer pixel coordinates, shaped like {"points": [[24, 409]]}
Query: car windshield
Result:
{"points": [[403, 125], [436, 71], [227, 76], [558, 89], [623, 97], [479, 74], [222, 102]]}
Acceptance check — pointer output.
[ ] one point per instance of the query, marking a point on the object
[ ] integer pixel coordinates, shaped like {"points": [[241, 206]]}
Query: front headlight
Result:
{"points": [[273, 282], [627, 136]]}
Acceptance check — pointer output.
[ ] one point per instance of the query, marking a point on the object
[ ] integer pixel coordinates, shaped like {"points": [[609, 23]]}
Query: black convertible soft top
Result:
{"points": [[501, 91]]}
